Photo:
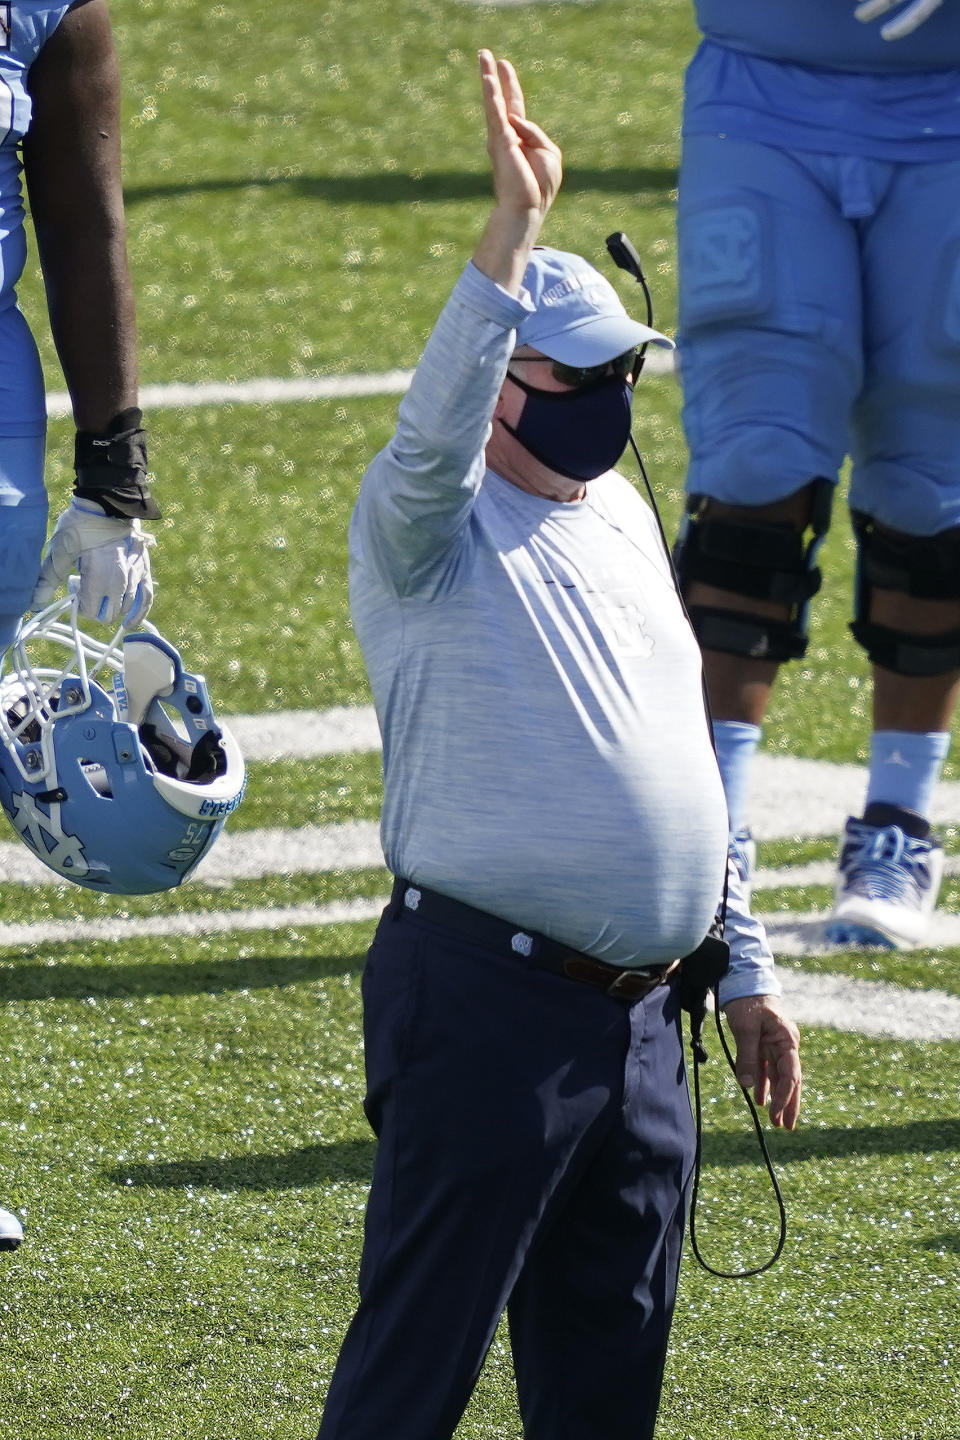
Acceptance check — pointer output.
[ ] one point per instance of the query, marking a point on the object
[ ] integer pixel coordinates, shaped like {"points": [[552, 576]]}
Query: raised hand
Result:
{"points": [[527, 165], [527, 170]]}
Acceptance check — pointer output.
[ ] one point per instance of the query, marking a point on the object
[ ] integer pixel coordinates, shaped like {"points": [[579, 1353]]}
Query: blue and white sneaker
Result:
{"points": [[11, 1231], [888, 880], [743, 852]]}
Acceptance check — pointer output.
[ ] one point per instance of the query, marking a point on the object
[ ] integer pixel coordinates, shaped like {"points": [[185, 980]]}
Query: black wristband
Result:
{"points": [[112, 468]]}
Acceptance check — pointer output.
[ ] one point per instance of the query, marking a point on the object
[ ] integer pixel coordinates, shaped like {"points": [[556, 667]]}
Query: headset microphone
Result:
{"points": [[623, 254]]}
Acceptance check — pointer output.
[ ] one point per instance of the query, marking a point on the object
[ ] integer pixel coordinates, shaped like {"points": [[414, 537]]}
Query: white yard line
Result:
{"points": [[245, 855], [865, 1007], [353, 845], [870, 1007], [266, 390], [791, 798], [194, 924], [305, 734]]}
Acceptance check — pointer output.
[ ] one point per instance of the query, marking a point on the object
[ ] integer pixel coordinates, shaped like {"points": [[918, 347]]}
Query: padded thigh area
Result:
{"points": [[906, 431], [770, 320], [820, 316]]}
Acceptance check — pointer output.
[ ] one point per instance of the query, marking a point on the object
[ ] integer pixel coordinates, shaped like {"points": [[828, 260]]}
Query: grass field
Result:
{"points": [[180, 1126]]}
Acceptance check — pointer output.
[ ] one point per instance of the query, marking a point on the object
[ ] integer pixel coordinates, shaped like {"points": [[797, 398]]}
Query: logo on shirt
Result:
{"points": [[625, 627]]}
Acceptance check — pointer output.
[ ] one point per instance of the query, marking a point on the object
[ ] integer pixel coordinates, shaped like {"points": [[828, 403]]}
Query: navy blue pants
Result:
{"points": [[536, 1144]]}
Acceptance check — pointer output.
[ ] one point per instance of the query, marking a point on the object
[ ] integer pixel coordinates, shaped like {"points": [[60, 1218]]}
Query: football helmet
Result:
{"points": [[121, 789]]}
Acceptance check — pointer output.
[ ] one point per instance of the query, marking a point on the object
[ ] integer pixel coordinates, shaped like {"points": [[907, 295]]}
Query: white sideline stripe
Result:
{"points": [[791, 798], [197, 924], [352, 845], [313, 849], [287, 389], [870, 1007], [246, 855], [866, 1007], [305, 734], [505, 4], [263, 391]]}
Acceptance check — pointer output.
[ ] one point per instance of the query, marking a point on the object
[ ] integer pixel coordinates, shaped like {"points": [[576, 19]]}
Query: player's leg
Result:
{"points": [[483, 1075], [905, 496], [23, 515], [770, 359], [590, 1316], [23, 525]]}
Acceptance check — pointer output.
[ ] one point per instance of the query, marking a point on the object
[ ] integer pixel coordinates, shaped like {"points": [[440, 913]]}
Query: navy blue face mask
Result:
{"points": [[578, 433]]}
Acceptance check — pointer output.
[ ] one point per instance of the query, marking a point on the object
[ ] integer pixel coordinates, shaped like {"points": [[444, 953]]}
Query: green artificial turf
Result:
{"points": [[186, 1143], [181, 1125]]}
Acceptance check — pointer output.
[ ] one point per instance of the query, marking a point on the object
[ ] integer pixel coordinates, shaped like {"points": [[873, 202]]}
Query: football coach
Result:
{"points": [[555, 819]]}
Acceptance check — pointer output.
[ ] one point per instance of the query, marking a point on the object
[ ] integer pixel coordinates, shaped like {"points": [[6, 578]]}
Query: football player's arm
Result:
{"points": [[71, 157]]}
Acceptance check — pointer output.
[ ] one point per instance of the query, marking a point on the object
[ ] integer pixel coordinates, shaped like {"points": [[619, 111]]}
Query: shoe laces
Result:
{"points": [[884, 863]]}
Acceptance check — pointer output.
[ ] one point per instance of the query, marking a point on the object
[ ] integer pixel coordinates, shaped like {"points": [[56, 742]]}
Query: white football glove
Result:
{"points": [[113, 560], [906, 22]]}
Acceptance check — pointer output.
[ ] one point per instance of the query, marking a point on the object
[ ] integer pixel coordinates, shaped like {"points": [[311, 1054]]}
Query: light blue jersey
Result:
{"points": [[805, 335], [805, 75], [825, 33], [545, 748]]}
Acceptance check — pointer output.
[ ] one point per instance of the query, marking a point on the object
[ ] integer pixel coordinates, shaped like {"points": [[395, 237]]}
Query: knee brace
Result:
{"points": [[758, 559], [926, 567]]}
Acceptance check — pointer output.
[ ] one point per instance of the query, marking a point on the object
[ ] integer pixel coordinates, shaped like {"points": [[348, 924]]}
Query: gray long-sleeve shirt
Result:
{"points": [[546, 752]]}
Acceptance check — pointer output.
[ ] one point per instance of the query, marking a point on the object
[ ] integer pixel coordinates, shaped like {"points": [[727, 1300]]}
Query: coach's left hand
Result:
{"points": [[768, 1055]]}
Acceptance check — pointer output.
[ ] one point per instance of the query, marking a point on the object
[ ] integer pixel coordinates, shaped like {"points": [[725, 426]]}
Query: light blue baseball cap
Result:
{"points": [[579, 318]]}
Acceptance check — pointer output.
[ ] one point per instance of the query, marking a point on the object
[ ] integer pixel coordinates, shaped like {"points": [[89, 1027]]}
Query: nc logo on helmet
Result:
{"points": [[46, 836]]}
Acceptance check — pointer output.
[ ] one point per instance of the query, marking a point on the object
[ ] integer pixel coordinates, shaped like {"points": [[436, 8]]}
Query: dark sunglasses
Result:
{"points": [[623, 366]]}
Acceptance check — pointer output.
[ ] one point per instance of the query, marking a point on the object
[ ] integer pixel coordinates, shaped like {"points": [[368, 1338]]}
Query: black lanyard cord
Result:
{"points": [[626, 257], [695, 1190]]}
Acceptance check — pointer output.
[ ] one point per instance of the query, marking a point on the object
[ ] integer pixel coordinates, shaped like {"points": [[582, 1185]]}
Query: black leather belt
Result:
{"points": [[494, 934]]}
